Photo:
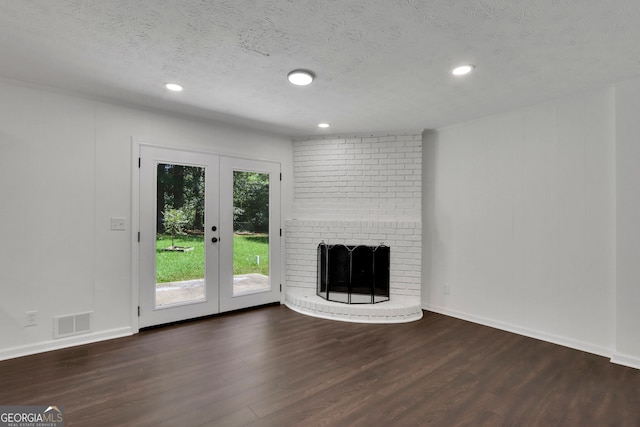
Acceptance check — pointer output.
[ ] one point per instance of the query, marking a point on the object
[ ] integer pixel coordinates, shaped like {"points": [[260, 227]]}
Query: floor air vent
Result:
{"points": [[73, 324]]}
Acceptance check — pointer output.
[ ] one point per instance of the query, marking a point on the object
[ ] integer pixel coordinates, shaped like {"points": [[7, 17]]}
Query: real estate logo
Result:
{"points": [[31, 416]]}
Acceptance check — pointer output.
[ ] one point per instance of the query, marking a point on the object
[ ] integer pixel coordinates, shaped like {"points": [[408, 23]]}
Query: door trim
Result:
{"points": [[135, 228]]}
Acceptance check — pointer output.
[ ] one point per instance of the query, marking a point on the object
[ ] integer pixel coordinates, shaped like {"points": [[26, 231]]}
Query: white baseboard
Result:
{"points": [[531, 333], [41, 347], [625, 360]]}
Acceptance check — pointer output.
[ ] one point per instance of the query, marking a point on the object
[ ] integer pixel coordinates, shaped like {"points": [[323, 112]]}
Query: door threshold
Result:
{"points": [[209, 316]]}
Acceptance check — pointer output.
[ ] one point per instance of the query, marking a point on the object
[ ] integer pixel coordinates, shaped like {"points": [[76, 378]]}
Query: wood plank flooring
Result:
{"points": [[274, 367]]}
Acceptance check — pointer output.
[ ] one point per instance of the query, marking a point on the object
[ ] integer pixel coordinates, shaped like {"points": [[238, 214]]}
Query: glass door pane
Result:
{"points": [[180, 244], [250, 232]]}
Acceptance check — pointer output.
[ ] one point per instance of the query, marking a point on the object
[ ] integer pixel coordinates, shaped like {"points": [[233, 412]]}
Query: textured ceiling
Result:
{"points": [[381, 65]]}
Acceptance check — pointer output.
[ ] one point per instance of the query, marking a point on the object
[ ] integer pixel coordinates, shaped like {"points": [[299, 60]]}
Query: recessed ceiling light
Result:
{"points": [[462, 70], [324, 125], [301, 77], [174, 87]]}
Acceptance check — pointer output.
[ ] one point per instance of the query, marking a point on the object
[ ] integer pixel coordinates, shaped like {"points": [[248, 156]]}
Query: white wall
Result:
{"points": [[519, 220], [628, 223], [65, 169]]}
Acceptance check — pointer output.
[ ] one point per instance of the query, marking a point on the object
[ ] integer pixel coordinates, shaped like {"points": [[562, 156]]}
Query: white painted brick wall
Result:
{"points": [[357, 191], [373, 178]]}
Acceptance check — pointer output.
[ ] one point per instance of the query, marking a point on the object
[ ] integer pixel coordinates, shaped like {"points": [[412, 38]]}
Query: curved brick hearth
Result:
{"points": [[398, 310]]}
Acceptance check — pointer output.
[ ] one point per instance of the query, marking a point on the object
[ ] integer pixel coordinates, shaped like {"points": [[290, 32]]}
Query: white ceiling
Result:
{"points": [[381, 65]]}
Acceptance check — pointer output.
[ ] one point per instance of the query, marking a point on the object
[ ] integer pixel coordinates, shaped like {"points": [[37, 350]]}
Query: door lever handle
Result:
{"points": [[214, 239]]}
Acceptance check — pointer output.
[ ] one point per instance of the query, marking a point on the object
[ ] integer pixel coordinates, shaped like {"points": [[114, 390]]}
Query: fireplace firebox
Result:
{"points": [[353, 274]]}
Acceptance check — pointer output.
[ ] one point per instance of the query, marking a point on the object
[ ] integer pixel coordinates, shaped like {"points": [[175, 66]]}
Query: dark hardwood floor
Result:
{"points": [[273, 367]]}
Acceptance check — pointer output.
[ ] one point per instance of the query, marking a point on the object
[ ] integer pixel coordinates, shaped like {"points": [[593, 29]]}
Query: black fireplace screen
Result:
{"points": [[353, 274]]}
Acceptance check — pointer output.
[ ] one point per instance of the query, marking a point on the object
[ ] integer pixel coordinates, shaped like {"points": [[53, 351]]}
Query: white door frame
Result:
{"points": [[275, 225]]}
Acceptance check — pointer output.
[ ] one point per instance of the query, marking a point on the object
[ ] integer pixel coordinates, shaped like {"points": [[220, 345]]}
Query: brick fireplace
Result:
{"points": [[356, 191]]}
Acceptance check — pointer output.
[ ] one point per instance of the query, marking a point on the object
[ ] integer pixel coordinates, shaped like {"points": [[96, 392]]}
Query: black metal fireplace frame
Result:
{"points": [[353, 274]]}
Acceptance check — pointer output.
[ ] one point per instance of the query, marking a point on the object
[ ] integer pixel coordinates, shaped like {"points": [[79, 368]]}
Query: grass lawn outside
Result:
{"points": [[173, 266]]}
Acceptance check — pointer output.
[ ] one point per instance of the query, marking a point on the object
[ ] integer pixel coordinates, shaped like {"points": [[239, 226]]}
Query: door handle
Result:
{"points": [[214, 240]]}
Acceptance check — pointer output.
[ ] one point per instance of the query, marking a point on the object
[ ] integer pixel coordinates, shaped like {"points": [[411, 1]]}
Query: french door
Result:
{"points": [[209, 234], [250, 233]]}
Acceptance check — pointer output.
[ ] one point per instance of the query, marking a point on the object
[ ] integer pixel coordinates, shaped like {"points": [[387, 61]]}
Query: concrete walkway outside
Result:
{"points": [[193, 290]]}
